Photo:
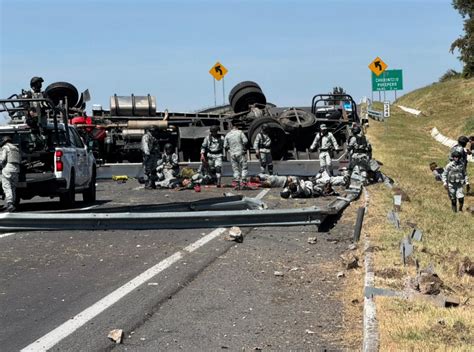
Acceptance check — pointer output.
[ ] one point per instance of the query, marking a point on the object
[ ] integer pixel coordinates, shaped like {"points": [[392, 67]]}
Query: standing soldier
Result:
{"points": [[326, 143], [461, 148], [454, 177], [212, 152], [262, 146], [10, 164], [360, 153], [151, 153], [235, 141]]}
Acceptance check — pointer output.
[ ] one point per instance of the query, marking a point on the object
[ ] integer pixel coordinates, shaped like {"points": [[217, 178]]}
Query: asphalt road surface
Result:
{"points": [[191, 290]]}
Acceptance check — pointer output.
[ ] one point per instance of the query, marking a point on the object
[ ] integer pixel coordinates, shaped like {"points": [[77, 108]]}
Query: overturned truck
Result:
{"points": [[292, 129]]}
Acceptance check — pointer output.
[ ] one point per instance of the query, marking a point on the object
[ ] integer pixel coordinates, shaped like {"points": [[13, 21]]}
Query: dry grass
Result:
{"points": [[406, 148]]}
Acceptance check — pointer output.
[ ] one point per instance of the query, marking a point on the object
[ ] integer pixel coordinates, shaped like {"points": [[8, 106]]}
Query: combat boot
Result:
{"points": [[453, 206], [461, 203], [10, 208], [270, 169]]}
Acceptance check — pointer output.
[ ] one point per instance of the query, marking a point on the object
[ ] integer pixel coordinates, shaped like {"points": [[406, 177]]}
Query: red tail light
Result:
{"points": [[59, 163]]}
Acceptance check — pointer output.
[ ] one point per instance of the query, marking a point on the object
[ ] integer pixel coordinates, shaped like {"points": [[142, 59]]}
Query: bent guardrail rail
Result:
{"points": [[176, 220]]}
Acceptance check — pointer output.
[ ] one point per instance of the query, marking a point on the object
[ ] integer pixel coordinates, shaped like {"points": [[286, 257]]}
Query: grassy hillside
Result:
{"points": [[406, 148]]}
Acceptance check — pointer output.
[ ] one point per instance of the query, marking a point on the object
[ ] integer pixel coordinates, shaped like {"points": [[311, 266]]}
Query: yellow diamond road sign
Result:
{"points": [[218, 71], [378, 66]]}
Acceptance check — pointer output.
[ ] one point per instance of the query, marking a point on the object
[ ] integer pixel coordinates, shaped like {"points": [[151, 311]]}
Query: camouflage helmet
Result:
{"points": [[456, 154], [463, 140], [285, 193], [6, 139], [168, 147], [356, 129], [35, 80]]}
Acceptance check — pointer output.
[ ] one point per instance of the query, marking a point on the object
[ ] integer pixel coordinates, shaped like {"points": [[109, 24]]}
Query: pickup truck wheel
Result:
{"points": [[89, 195], [68, 199]]}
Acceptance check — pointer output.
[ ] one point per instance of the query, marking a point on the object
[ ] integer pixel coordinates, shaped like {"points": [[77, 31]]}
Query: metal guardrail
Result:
{"points": [[376, 115], [176, 220]]}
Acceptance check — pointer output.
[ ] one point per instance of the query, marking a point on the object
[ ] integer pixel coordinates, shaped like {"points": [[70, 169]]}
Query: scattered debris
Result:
{"points": [[116, 335], [349, 260], [153, 284], [235, 234], [417, 235], [340, 274], [470, 209], [466, 267], [352, 247], [394, 218], [355, 301], [309, 332], [312, 240], [427, 282], [278, 273]]}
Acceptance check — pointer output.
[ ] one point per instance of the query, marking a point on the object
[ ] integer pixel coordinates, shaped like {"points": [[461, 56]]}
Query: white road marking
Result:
{"points": [[7, 234], [55, 336], [202, 241], [263, 193], [52, 338], [90, 207]]}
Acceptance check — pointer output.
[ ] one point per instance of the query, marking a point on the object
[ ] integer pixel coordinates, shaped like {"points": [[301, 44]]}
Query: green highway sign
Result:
{"points": [[388, 80]]}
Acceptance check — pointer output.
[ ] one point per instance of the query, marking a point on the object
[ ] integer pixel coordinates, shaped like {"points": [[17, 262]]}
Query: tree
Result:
{"points": [[465, 44]]}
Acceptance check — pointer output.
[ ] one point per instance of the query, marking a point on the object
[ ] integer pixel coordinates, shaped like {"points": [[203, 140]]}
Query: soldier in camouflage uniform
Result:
{"points": [[151, 153], [360, 153], [263, 151], [10, 164], [236, 142], [326, 143], [168, 167], [461, 148], [212, 152], [454, 178]]}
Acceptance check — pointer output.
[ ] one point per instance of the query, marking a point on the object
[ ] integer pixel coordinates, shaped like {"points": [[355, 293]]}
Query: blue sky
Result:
{"points": [[293, 49]]}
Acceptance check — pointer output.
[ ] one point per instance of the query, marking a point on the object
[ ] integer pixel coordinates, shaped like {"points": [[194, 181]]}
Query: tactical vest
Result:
{"points": [[13, 154], [361, 144], [456, 173]]}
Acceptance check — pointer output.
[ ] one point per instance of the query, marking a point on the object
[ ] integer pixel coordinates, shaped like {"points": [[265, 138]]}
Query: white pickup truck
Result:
{"points": [[54, 164]]}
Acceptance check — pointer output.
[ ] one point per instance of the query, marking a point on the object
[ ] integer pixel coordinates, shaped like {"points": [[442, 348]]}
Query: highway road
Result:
{"points": [[190, 290]]}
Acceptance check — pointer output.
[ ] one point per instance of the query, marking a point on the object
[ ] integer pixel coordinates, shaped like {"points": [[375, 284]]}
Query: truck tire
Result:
{"points": [[277, 135], [246, 93], [58, 90], [296, 119], [89, 195], [68, 199]]}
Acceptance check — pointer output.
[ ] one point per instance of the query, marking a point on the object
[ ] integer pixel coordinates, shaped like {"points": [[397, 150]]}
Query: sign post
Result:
{"points": [[218, 71], [386, 109]]}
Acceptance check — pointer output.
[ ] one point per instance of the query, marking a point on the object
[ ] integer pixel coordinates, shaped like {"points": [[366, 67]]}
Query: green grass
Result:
{"points": [[406, 148]]}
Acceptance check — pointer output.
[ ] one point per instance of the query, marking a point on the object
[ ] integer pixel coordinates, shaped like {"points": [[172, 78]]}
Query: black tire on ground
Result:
{"points": [[244, 94], [276, 132], [58, 90], [296, 119], [68, 198], [89, 195]]}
